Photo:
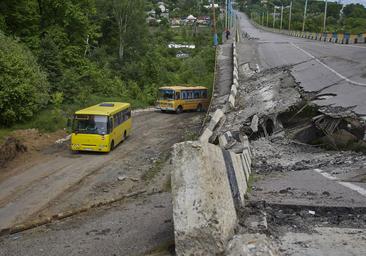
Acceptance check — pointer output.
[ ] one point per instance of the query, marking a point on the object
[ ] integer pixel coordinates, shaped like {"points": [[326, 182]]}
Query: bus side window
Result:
{"points": [[177, 95], [110, 124], [117, 120], [184, 95], [204, 94], [197, 94], [190, 95], [129, 113]]}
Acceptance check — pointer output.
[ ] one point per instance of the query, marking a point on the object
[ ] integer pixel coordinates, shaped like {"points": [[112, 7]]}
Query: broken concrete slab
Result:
{"points": [[325, 241], [203, 207], [252, 245], [217, 116]]}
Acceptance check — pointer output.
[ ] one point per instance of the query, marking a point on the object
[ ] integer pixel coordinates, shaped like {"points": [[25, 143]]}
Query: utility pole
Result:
{"points": [[274, 16], [267, 17], [303, 23], [281, 17], [226, 15], [231, 13], [214, 24], [325, 15], [289, 17]]}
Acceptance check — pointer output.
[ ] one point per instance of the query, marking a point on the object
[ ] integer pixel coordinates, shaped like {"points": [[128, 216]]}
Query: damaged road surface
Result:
{"points": [[119, 202], [302, 104]]}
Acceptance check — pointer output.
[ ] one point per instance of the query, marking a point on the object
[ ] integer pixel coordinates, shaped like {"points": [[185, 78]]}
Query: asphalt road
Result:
{"points": [[335, 72]]}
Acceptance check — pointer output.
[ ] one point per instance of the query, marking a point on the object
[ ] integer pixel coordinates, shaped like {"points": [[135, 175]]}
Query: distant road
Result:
{"points": [[338, 72]]}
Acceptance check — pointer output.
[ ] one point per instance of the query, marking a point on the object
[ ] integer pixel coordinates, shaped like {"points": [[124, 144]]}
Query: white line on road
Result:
{"points": [[326, 66], [349, 185], [325, 174], [331, 44]]}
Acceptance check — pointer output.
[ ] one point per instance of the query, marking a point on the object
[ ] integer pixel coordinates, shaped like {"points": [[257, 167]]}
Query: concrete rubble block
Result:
{"points": [[240, 177], [254, 123], [246, 166], [206, 135], [247, 155], [232, 101], [236, 63], [236, 74], [226, 140], [233, 91], [245, 140], [215, 119], [236, 82], [203, 207], [252, 245]]}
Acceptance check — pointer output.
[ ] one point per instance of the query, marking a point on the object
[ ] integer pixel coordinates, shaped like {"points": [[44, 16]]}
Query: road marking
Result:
{"points": [[349, 185], [326, 66], [325, 174]]}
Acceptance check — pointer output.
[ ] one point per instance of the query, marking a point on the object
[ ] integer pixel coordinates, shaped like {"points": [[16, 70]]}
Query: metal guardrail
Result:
{"points": [[332, 37]]}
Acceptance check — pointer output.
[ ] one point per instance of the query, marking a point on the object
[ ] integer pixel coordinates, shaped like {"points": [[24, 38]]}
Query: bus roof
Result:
{"points": [[183, 88], [104, 109]]}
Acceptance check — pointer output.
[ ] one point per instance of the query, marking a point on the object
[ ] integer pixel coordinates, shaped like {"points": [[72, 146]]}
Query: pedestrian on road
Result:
{"points": [[227, 34]]}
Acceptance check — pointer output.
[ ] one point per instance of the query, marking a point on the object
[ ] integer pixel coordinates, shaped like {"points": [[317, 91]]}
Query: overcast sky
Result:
{"points": [[353, 1]]}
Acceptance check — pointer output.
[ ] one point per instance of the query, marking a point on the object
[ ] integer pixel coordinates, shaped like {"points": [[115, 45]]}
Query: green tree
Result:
{"points": [[23, 86]]}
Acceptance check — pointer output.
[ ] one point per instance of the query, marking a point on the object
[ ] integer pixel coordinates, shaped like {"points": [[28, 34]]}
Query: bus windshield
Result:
{"points": [[90, 124], [165, 94]]}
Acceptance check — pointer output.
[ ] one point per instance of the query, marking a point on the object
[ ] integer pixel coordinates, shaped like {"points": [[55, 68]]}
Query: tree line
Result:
{"points": [[350, 18], [71, 53]]}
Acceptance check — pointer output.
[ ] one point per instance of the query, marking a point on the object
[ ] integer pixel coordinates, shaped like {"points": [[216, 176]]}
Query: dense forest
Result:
{"points": [[60, 55], [349, 18]]}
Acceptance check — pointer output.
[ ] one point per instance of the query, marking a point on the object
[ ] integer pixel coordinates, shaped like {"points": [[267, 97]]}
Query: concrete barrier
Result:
{"points": [[207, 133], [341, 38], [209, 183], [203, 206], [233, 90]]}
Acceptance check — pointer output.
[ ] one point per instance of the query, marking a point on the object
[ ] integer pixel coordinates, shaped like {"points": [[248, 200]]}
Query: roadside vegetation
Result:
{"points": [[58, 56], [350, 18]]}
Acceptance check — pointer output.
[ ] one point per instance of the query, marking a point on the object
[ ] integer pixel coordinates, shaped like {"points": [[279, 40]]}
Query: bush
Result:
{"points": [[23, 86]]}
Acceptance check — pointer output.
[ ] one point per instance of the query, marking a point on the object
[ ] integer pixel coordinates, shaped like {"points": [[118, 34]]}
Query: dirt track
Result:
{"points": [[65, 181]]}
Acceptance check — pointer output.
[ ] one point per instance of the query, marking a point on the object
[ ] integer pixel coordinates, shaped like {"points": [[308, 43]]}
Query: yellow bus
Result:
{"points": [[180, 98], [101, 127]]}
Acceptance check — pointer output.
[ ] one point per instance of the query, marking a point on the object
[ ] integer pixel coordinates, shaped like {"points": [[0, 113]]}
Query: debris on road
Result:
{"points": [[10, 149]]}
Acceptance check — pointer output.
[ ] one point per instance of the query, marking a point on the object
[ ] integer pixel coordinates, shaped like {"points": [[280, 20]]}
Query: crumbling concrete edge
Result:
{"points": [[234, 86], [228, 163]]}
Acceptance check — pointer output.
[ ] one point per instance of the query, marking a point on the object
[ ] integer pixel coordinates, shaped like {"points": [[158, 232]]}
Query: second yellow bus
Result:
{"points": [[180, 98]]}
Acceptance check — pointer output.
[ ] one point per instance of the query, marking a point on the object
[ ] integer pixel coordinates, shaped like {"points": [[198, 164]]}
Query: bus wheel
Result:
{"points": [[199, 108], [179, 110], [112, 146]]}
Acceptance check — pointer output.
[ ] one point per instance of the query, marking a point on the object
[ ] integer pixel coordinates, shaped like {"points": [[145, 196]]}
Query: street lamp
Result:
{"points": [[325, 15], [215, 37], [289, 17], [303, 22], [281, 17]]}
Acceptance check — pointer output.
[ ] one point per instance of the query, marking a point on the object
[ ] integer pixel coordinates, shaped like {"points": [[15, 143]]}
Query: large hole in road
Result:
{"points": [[307, 124]]}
